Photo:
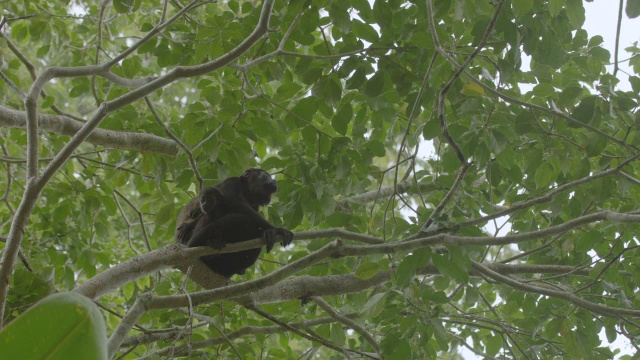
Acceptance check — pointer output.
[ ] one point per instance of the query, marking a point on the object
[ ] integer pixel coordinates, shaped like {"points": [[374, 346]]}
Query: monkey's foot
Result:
{"points": [[287, 236], [271, 237]]}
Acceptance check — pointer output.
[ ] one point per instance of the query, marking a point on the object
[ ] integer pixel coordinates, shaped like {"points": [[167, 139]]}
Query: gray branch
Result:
{"points": [[64, 125]]}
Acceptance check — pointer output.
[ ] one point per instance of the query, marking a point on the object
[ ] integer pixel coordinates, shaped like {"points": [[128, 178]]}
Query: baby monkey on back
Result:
{"points": [[228, 213]]}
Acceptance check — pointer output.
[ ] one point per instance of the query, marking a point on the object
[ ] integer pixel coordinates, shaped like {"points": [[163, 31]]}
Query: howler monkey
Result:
{"points": [[228, 213]]}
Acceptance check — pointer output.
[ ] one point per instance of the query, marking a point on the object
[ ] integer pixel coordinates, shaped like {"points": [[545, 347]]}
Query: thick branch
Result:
{"points": [[177, 255], [305, 286], [139, 307], [64, 125]]}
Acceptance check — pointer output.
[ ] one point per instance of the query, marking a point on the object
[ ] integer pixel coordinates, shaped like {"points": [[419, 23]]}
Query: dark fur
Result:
{"points": [[228, 213]]}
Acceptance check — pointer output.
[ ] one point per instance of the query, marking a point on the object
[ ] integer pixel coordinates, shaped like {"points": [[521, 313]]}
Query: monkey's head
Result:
{"points": [[258, 186]]}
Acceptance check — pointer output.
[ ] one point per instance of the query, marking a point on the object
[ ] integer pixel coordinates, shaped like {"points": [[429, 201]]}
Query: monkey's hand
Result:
{"points": [[184, 232], [195, 212], [271, 237]]}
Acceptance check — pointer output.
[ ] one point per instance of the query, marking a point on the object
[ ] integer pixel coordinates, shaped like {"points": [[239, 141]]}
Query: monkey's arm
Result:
{"points": [[229, 228], [270, 232]]}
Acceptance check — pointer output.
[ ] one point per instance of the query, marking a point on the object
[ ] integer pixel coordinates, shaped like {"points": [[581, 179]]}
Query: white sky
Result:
{"points": [[601, 19]]}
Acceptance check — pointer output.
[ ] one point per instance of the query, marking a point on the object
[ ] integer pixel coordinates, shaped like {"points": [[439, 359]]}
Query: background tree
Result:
{"points": [[516, 238]]}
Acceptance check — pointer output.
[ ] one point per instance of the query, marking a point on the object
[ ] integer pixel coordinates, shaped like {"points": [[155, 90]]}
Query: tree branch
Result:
{"points": [[593, 307]]}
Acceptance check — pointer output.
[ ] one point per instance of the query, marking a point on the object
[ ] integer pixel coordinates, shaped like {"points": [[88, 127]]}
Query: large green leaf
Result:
{"points": [[61, 326]]}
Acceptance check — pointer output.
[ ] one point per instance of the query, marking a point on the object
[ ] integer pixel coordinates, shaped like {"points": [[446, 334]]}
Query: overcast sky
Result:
{"points": [[601, 19]]}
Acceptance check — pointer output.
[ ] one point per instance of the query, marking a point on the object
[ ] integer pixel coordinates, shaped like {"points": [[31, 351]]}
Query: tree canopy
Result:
{"points": [[460, 175]]}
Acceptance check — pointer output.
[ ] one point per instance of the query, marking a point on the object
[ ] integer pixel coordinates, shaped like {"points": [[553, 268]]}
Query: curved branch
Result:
{"points": [[304, 286], [140, 306], [64, 125], [593, 307], [178, 255], [183, 350], [348, 322], [385, 192]]}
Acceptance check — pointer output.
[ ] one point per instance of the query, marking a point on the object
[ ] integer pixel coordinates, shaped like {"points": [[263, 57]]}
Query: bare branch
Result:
{"points": [[593, 307], [348, 322], [64, 125]]}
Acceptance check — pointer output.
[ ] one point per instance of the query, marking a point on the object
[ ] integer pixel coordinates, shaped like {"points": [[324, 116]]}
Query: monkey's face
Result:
{"points": [[260, 182], [269, 184]]}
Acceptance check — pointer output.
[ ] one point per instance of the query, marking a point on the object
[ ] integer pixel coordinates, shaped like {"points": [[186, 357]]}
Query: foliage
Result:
{"points": [[508, 210]]}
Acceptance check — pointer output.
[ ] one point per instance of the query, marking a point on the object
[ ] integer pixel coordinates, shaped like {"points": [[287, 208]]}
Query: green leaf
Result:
{"points": [[575, 13], [394, 348], [595, 145], [498, 142], [375, 304], [376, 147], [576, 349], [543, 90], [407, 270], [375, 85], [544, 176], [585, 111], [633, 8], [340, 17], [311, 75], [286, 91], [365, 31], [62, 326], [341, 120], [328, 89], [367, 269], [48, 102], [337, 335], [555, 6], [552, 53], [148, 47], [431, 129], [165, 214], [43, 50], [521, 7], [493, 344], [131, 66], [21, 33], [382, 13], [305, 108], [309, 22], [587, 241], [357, 79], [429, 295], [453, 264], [126, 6], [422, 39]]}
